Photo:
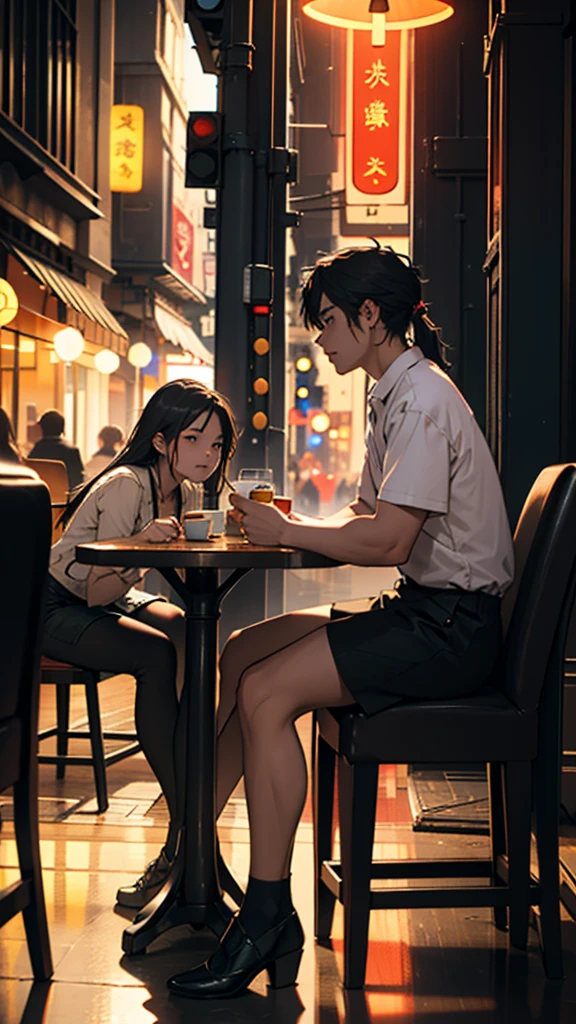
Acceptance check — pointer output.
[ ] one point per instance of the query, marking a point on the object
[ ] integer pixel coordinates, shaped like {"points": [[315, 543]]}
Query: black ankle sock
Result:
{"points": [[265, 905]]}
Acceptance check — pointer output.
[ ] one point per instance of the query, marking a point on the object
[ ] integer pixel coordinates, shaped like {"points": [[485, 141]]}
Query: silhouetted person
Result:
{"points": [[110, 439], [8, 446], [53, 445]]}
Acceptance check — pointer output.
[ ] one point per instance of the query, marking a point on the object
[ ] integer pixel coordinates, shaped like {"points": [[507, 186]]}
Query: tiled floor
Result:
{"points": [[424, 967]]}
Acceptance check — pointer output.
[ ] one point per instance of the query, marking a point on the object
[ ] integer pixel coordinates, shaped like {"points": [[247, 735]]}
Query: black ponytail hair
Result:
{"points": [[390, 279], [170, 411]]}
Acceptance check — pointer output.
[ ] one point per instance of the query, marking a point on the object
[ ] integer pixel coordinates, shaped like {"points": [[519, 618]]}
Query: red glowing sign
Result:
{"points": [[182, 244], [376, 114]]}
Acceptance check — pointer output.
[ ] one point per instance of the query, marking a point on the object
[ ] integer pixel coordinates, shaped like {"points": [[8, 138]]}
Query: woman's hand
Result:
{"points": [[262, 523], [161, 531]]}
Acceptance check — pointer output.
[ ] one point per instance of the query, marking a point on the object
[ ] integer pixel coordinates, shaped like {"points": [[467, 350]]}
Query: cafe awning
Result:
{"points": [[177, 330], [80, 299]]}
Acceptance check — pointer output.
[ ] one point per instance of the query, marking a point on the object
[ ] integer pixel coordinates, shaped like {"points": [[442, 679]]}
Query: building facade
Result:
{"points": [[55, 210], [162, 254], [119, 268]]}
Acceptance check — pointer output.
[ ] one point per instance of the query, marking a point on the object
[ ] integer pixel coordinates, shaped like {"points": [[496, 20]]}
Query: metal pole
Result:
{"points": [[260, 120], [277, 436], [234, 235]]}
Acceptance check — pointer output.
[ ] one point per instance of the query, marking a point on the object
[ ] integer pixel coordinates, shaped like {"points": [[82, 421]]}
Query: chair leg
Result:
{"points": [[547, 811], [323, 776], [497, 833], [357, 791], [63, 725], [518, 831], [35, 924], [96, 740]]}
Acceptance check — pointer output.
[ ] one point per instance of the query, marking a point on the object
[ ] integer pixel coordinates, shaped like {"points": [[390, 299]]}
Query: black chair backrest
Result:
{"points": [[545, 551], [25, 533]]}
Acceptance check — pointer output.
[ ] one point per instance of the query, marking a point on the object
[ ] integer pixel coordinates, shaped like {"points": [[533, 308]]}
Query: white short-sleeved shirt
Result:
{"points": [[425, 450], [120, 504]]}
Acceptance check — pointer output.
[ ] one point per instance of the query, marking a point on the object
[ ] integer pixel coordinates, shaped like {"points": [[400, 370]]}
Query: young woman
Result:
{"points": [[95, 618], [8, 446], [429, 500]]}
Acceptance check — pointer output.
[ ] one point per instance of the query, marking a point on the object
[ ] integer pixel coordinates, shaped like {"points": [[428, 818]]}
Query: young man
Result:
{"points": [[429, 501]]}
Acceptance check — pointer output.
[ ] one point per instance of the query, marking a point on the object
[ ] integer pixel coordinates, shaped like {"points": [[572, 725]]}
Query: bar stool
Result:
{"points": [[65, 676]]}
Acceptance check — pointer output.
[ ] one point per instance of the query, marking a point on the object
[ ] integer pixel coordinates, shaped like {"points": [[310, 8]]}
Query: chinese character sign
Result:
{"points": [[376, 114], [182, 244], [126, 148]]}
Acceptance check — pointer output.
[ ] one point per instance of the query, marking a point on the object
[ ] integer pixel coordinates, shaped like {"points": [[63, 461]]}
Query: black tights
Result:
{"points": [[148, 646]]}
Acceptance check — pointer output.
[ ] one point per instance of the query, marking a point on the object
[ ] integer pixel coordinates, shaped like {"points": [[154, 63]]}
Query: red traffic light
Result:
{"points": [[204, 126], [203, 149]]}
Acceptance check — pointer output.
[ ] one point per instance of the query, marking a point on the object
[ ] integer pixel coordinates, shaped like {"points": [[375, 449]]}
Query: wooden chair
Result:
{"points": [[55, 476], [24, 549], [514, 726], [65, 676]]}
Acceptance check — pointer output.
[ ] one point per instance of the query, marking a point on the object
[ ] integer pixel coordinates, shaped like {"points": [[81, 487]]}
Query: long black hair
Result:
{"points": [[390, 279], [170, 411], [8, 446]]}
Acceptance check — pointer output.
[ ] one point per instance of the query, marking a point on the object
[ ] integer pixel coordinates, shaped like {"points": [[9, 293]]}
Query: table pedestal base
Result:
{"points": [[192, 892], [169, 909]]}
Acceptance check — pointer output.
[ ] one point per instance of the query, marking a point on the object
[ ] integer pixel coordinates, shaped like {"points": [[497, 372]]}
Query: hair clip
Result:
{"points": [[420, 307]]}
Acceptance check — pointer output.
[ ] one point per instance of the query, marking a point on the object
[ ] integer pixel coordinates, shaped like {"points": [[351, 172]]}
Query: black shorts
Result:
{"points": [[416, 643]]}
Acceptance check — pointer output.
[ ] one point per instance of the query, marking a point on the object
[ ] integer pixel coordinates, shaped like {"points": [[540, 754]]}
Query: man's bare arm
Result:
{"points": [[354, 508], [384, 538]]}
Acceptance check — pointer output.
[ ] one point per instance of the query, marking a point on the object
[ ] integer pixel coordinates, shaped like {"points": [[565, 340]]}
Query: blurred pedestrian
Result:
{"points": [[110, 439], [8, 445], [53, 445], [345, 492]]}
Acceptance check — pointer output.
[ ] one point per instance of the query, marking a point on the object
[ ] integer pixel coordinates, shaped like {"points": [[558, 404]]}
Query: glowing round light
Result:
{"points": [[315, 440], [139, 355], [259, 421], [302, 392], [69, 344], [106, 361], [8, 303], [204, 126], [320, 422], [261, 346], [303, 364], [402, 13], [261, 386], [333, 434]]}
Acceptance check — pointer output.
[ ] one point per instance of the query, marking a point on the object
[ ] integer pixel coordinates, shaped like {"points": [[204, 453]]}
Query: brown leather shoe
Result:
{"points": [[145, 888]]}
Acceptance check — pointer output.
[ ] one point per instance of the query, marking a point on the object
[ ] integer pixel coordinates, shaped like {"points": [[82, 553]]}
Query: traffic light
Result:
{"points": [[208, 12], [203, 149], [306, 374], [206, 21]]}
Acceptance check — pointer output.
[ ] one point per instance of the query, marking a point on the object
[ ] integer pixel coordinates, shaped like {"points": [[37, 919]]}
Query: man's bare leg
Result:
{"points": [[244, 648]]}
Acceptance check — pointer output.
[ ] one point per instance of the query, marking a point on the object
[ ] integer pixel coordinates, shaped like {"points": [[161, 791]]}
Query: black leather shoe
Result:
{"points": [[238, 960]]}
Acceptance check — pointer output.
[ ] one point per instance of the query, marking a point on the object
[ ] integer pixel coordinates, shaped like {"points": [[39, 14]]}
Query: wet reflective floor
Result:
{"points": [[427, 967]]}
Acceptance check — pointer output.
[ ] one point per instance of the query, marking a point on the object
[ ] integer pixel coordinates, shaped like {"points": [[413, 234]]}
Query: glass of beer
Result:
{"points": [[263, 492]]}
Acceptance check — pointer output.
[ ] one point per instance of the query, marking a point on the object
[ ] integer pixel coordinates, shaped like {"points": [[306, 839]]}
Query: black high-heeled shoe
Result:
{"points": [[239, 959]]}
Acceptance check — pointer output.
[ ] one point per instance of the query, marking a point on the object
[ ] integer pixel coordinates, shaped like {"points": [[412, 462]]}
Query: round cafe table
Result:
{"points": [[192, 893]]}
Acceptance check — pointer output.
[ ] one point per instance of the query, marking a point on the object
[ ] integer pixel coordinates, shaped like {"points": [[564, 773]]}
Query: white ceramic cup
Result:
{"points": [[217, 515], [197, 529]]}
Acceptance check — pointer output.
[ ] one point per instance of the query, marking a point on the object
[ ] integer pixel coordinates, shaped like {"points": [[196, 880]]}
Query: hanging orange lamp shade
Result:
{"points": [[360, 14]]}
